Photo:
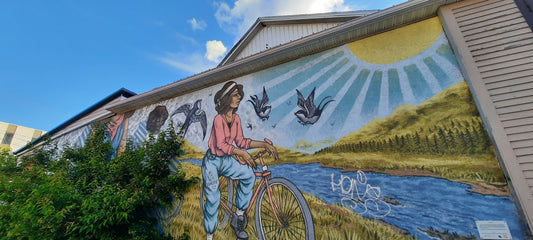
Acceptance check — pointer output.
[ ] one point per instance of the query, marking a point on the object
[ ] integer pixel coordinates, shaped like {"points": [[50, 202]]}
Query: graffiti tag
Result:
{"points": [[360, 196]]}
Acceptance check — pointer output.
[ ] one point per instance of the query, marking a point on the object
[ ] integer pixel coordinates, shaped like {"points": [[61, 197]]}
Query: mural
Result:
{"points": [[376, 139]]}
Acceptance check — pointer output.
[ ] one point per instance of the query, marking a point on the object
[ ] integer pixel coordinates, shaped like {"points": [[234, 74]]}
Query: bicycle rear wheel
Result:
{"points": [[290, 207], [165, 215], [226, 188]]}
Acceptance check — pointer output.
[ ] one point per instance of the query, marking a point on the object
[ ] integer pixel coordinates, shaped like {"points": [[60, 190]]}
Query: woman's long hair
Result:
{"points": [[223, 97]]}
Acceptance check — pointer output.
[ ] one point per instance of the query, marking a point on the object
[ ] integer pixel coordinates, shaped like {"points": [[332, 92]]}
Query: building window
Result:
{"points": [[526, 7], [7, 138]]}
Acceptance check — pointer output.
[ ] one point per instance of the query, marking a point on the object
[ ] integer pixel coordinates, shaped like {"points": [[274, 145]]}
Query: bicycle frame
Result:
{"points": [[265, 176]]}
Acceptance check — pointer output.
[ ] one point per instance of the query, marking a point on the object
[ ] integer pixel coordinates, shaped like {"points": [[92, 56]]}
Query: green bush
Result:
{"points": [[88, 192]]}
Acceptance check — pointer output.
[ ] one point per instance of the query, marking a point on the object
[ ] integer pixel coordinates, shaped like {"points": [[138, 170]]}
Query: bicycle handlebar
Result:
{"points": [[259, 154], [264, 151]]}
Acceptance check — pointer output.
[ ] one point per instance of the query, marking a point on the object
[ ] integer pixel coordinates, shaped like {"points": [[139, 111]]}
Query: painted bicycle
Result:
{"points": [[281, 211]]}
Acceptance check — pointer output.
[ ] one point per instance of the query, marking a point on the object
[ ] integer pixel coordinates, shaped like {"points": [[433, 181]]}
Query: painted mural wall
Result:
{"points": [[376, 139]]}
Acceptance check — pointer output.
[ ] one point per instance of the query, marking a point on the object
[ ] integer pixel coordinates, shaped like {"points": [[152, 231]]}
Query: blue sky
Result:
{"points": [[57, 58]]}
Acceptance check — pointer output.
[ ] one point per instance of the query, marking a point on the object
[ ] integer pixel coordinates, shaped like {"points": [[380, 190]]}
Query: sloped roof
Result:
{"points": [[262, 22], [119, 93], [391, 18]]}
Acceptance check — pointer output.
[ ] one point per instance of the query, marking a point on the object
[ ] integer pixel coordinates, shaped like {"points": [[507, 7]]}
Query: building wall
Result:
{"points": [[495, 44], [381, 135], [15, 137]]}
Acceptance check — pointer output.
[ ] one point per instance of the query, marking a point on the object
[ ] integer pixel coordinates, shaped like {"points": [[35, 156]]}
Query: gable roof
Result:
{"points": [[315, 22], [388, 19], [114, 96]]}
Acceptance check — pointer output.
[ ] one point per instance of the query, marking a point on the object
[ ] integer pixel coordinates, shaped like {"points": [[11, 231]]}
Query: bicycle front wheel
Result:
{"points": [[283, 213]]}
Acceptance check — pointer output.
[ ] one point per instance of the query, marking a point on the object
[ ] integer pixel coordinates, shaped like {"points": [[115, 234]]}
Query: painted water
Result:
{"points": [[408, 202]]}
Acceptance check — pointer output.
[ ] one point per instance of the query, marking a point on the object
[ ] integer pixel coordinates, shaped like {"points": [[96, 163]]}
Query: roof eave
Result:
{"points": [[121, 92]]}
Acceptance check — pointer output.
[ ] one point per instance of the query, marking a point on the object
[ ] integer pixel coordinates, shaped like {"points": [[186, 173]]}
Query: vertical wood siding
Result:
{"points": [[275, 35], [495, 46]]}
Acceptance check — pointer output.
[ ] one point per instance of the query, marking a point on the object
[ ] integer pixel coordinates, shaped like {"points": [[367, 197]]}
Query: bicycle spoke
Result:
{"points": [[288, 213]]}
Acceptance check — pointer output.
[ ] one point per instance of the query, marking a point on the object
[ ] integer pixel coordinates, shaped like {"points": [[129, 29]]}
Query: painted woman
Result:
{"points": [[225, 141]]}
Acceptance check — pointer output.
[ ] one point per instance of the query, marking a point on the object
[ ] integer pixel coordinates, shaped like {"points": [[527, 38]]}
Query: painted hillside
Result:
{"points": [[443, 136], [453, 104]]}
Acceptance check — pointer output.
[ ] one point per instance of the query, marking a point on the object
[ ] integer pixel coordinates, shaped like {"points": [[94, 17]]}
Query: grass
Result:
{"points": [[330, 221], [472, 169]]}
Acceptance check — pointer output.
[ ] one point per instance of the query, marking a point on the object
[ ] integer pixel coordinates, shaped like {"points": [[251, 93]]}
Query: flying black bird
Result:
{"points": [[193, 114], [260, 106], [309, 112], [250, 126]]}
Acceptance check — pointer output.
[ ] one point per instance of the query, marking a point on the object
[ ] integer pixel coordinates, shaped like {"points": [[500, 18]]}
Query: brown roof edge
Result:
{"points": [[382, 21]]}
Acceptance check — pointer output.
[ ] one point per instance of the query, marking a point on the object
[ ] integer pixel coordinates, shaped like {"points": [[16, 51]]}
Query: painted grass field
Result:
{"points": [[330, 221]]}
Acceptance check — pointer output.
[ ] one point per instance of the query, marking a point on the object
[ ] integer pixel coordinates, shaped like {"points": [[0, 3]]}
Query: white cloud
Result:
{"points": [[197, 25], [191, 40], [239, 18], [191, 63], [195, 62], [215, 50]]}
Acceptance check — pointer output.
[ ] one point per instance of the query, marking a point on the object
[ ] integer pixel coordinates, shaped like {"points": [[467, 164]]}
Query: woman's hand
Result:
{"points": [[267, 145], [272, 150], [245, 158]]}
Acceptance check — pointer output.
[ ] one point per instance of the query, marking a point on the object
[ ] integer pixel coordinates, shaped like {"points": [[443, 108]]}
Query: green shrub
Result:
{"points": [[88, 192]]}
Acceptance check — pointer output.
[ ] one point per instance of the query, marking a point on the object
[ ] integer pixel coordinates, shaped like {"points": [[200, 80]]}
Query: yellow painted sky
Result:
{"points": [[398, 44]]}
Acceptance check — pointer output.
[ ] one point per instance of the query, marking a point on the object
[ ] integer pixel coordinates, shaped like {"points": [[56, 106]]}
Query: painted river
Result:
{"points": [[408, 202]]}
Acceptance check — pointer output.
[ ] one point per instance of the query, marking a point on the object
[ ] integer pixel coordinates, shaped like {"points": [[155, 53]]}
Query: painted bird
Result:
{"points": [[193, 113], [309, 113], [260, 105]]}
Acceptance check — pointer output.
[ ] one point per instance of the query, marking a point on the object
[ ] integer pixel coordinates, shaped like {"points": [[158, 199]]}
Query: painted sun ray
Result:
{"points": [[328, 77], [384, 98], [358, 105], [289, 69], [445, 51], [452, 70], [263, 81], [433, 82], [443, 79], [345, 80], [279, 91], [417, 82], [395, 95], [373, 95], [289, 93], [407, 91], [346, 96], [290, 116], [321, 127]]}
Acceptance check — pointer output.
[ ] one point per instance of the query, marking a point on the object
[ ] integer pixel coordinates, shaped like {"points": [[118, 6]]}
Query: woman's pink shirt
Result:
{"points": [[222, 136]]}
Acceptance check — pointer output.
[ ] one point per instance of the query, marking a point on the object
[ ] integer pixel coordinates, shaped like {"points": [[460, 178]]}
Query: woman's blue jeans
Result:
{"points": [[214, 166]]}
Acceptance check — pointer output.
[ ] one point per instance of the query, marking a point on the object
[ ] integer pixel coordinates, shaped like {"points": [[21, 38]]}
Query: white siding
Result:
{"points": [[274, 35], [494, 45]]}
